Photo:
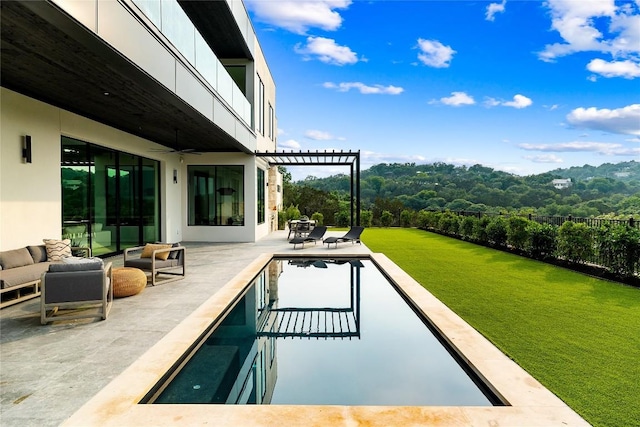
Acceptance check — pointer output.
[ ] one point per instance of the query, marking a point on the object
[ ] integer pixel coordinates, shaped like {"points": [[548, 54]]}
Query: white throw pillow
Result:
{"points": [[57, 249]]}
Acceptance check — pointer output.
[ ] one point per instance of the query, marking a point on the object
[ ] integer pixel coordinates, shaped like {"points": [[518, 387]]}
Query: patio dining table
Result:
{"points": [[300, 227]]}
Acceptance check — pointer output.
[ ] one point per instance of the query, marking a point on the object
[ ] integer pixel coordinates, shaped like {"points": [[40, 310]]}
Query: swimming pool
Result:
{"points": [[320, 331], [122, 401]]}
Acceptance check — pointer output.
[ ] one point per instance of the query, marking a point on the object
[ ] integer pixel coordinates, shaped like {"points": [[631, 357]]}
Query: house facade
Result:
{"points": [[131, 121]]}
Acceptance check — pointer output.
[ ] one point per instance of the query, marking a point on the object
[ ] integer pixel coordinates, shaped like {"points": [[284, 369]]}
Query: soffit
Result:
{"points": [[216, 23], [48, 56]]}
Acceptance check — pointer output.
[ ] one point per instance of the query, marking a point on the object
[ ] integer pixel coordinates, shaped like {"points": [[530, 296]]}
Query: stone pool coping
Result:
{"points": [[529, 403]]}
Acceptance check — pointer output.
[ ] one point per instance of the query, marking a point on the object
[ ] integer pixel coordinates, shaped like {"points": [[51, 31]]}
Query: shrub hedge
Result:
{"points": [[615, 248]]}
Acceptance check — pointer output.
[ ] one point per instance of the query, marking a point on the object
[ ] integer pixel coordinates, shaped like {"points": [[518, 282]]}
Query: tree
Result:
{"points": [[386, 219], [286, 175], [407, 218], [458, 205]]}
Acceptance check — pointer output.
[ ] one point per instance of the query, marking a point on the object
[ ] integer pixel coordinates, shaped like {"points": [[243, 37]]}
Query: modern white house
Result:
{"points": [[561, 184], [131, 121]]}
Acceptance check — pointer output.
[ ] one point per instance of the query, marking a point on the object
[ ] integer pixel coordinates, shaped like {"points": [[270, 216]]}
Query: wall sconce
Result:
{"points": [[26, 149], [175, 176]]}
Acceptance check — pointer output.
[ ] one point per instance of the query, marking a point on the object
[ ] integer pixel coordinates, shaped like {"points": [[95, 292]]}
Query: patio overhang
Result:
{"points": [[49, 56], [323, 158]]}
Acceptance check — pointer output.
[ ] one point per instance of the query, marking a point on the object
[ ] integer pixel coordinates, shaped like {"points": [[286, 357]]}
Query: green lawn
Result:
{"points": [[578, 335]]}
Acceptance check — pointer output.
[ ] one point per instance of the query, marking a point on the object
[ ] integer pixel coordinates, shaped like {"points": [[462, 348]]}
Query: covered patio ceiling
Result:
{"points": [[49, 56], [322, 158]]}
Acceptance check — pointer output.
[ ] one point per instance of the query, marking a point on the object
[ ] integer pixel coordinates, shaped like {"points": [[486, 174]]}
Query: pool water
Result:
{"points": [[323, 332]]}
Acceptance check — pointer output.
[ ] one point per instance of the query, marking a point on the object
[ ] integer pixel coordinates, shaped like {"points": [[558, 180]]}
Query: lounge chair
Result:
{"points": [[158, 258], [353, 236], [316, 234]]}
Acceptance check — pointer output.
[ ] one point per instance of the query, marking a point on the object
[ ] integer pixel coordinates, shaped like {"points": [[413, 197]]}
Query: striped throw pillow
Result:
{"points": [[57, 249]]}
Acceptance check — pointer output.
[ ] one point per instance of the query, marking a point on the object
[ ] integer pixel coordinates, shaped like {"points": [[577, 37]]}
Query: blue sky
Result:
{"points": [[520, 86]]}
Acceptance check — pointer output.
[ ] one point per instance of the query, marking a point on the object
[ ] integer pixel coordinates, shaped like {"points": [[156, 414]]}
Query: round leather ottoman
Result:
{"points": [[128, 281]]}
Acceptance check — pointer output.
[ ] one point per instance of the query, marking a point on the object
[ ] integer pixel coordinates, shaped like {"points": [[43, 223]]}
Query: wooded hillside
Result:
{"points": [[606, 190]]}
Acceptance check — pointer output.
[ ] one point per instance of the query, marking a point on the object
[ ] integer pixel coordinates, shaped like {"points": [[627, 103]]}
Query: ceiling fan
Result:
{"points": [[176, 150]]}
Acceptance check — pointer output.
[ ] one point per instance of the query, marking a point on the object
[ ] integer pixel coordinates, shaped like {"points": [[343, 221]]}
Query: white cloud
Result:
{"points": [[457, 99], [494, 8], [579, 24], [372, 156], [319, 135], [289, 144], [364, 89], [545, 158], [519, 101], [327, 51], [299, 16], [604, 148], [434, 54], [624, 120], [627, 69]]}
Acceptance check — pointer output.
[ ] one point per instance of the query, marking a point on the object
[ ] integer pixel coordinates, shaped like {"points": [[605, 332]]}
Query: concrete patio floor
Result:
{"points": [[94, 373], [48, 372]]}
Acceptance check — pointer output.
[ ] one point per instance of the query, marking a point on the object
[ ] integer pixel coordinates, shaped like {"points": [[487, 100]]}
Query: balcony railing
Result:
{"points": [[175, 25]]}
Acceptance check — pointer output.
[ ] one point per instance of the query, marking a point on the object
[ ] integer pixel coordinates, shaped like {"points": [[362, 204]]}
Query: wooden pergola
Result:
{"points": [[323, 158]]}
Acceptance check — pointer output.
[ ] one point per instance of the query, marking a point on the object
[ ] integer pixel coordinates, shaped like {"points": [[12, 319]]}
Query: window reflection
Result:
{"points": [[216, 195]]}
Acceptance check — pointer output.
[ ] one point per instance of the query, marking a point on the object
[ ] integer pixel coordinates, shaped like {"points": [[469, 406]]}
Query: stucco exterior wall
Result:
{"points": [[30, 193]]}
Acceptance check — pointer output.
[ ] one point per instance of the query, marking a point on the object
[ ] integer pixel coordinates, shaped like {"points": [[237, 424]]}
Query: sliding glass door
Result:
{"points": [[110, 199]]}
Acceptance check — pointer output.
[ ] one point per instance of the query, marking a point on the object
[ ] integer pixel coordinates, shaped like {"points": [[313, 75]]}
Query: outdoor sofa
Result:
{"points": [[21, 272]]}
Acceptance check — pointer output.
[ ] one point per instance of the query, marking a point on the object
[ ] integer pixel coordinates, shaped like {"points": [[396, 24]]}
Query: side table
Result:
{"points": [[128, 281]]}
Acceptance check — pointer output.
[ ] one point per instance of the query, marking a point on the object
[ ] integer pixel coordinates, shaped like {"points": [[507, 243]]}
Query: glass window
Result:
{"points": [[216, 195], [271, 123], [260, 186], [239, 75], [260, 106]]}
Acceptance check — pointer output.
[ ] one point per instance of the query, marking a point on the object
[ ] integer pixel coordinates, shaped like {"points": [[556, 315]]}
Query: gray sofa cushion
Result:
{"points": [[76, 264], [145, 263], [18, 276], [174, 254], [15, 258], [38, 253]]}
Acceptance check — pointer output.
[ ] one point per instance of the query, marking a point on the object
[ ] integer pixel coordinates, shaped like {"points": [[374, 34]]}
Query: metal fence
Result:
{"points": [[559, 220], [591, 222]]}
